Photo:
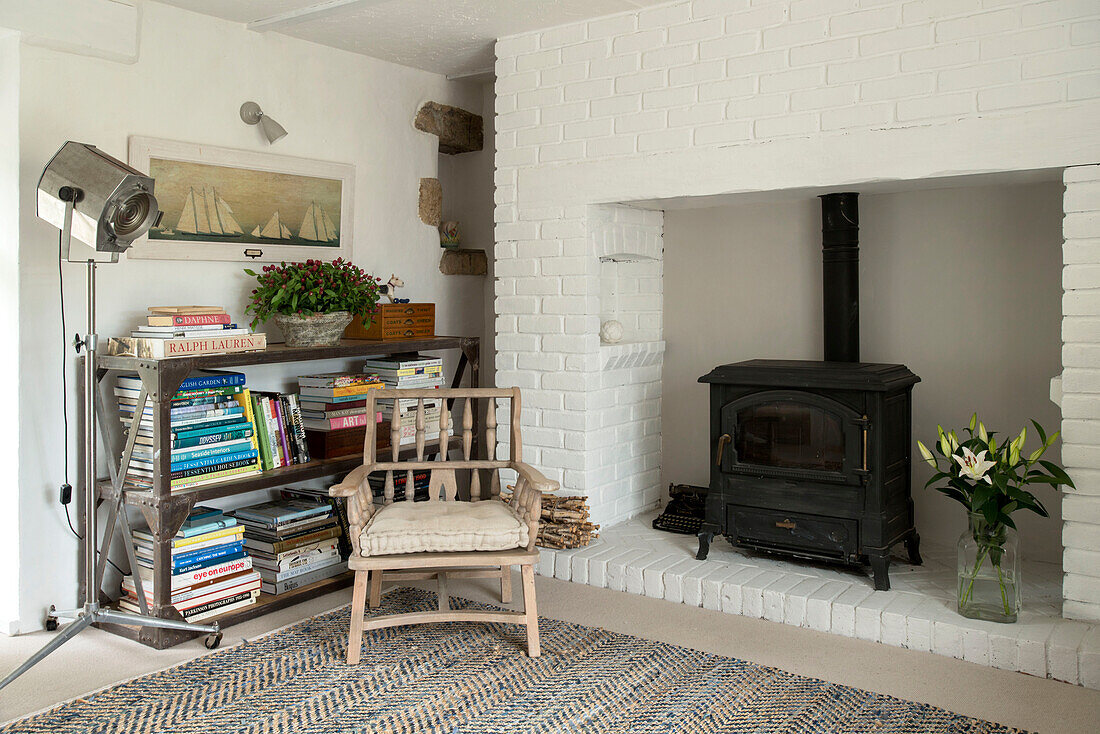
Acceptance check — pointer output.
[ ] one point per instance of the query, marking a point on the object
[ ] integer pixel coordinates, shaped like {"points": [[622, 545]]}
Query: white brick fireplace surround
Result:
{"points": [[716, 97]]}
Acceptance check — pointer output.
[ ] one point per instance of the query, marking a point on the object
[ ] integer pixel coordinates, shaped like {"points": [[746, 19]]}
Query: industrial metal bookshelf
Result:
{"points": [[165, 510]]}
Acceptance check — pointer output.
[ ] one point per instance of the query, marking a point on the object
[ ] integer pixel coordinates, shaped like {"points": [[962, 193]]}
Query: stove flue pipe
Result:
{"points": [[840, 275]]}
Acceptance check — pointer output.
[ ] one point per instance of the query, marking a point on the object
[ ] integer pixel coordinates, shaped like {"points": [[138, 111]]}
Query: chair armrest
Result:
{"points": [[350, 484], [360, 501], [534, 478]]}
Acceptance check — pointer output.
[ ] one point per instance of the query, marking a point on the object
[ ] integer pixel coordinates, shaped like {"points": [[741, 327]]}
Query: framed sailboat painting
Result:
{"points": [[225, 204]]}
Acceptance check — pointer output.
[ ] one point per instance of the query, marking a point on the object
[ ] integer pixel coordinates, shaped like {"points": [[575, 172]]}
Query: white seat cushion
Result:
{"points": [[416, 527]]}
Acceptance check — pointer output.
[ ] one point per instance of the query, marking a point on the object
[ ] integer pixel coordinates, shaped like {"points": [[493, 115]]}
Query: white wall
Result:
{"points": [[193, 74], [9, 313], [467, 181], [962, 285]]}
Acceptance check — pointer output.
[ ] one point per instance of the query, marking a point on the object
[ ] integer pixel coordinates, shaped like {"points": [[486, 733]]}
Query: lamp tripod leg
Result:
{"points": [[62, 637]]}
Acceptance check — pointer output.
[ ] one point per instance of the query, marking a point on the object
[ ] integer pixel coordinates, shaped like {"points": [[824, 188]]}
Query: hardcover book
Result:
{"points": [[167, 348]]}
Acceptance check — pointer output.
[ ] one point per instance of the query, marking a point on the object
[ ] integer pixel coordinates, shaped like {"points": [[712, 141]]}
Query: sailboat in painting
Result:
{"points": [[273, 230], [207, 214], [316, 225]]}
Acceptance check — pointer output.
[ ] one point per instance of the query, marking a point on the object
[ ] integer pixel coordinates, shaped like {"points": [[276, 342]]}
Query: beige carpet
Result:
{"points": [[96, 659]]}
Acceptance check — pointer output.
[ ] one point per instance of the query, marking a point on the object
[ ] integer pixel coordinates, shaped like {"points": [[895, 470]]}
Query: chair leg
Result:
{"points": [[358, 609], [530, 610], [505, 584], [375, 588], [444, 597]]}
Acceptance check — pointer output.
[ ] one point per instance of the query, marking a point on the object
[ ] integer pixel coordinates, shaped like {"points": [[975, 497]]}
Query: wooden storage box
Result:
{"points": [[344, 442], [396, 321]]}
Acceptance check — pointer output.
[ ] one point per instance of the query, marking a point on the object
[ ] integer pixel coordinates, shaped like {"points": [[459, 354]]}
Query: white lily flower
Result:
{"points": [[974, 467]]}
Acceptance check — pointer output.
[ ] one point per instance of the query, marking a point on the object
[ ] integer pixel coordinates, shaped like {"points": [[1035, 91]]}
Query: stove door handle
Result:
{"points": [[722, 441]]}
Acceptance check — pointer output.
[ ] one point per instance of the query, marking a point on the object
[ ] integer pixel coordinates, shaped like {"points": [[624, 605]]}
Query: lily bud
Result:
{"points": [[982, 433], [928, 458], [954, 441], [1035, 455], [973, 421]]}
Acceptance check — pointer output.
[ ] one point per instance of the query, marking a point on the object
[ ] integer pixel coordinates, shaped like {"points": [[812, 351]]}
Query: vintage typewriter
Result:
{"points": [[685, 510]]}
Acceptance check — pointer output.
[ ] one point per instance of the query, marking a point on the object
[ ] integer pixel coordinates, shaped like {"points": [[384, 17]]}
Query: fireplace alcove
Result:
{"points": [[961, 283]]}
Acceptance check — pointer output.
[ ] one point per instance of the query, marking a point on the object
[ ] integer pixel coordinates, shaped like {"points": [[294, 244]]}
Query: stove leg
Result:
{"points": [[912, 545], [704, 545], [880, 566]]}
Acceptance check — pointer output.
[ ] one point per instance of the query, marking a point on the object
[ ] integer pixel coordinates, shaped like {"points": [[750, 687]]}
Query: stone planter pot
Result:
{"points": [[318, 330]]}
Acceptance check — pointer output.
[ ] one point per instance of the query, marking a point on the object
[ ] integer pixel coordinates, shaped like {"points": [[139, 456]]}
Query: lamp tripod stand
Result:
{"points": [[92, 569]]}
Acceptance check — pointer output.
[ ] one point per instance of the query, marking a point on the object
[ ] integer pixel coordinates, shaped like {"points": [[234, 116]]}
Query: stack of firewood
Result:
{"points": [[563, 522]]}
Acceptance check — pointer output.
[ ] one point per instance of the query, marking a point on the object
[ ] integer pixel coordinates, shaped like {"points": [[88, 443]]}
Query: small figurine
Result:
{"points": [[448, 235], [387, 288], [611, 331]]}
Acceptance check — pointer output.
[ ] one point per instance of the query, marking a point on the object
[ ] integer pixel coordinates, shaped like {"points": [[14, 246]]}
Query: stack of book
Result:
{"points": [[339, 510], [377, 481], [399, 373], [334, 411], [292, 543], [280, 430], [177, 331], [211, 572], [212, 432]]}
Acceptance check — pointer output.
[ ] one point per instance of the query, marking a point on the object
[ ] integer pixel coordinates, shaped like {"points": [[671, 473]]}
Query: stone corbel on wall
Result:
{"points": [[458, 131]]}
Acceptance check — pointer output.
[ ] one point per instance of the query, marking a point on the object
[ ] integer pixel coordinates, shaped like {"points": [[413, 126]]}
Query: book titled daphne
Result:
{"points": [[165, 348]]}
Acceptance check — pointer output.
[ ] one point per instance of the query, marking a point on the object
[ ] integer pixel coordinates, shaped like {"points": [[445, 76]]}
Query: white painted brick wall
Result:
{"points": [[1081, 399], [708, 97]]}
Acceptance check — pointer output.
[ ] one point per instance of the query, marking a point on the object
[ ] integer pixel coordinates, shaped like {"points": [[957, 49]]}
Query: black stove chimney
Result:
{"points": [[840, 275]]}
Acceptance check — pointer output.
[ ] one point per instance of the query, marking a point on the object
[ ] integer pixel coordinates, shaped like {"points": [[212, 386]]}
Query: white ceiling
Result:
{"points": [[452, 37]]}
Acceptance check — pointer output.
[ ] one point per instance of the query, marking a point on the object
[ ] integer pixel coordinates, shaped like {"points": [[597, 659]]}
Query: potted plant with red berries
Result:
{"points": [[312, 301]]}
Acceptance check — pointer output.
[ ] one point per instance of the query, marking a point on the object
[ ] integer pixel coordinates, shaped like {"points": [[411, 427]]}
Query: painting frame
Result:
{"points": [[144, 150]]}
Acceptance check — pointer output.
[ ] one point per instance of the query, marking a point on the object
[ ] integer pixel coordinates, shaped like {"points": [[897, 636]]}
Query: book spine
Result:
{"points": [[320, 574], [375, 365], [335, 424], [200, 319], [196, 565], [340, 508], [272, 437], [191, 441], [249, 462], [201, 575], [224, 610], [190, 592], [226, 447], [298, 428], [300, 571], [289, 446], [218, 476], [215, 427], [261, 432], [282, 546], [188, 557], [209, 461], [225, 379], [219, 604], [214, 528], [311, 558], [144, 546]]}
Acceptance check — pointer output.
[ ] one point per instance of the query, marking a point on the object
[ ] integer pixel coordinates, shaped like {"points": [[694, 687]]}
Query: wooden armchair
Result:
{"points": [[443, 537]]}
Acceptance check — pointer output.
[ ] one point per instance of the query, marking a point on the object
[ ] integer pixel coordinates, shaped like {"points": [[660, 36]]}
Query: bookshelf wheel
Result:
{"points": [[213, 641]]}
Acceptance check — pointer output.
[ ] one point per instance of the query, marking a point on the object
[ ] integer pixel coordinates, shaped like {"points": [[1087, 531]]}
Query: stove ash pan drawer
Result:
{"points": [[825, 537]]}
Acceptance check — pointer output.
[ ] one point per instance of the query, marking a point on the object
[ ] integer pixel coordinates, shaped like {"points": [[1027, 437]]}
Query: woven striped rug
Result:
{"points": [[475, 679]]}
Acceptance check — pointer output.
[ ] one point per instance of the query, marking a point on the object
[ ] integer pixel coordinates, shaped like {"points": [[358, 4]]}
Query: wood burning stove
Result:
{"points": [[812, 459]]}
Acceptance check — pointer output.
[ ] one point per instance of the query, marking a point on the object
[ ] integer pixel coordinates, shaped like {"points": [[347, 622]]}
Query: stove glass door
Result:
{"points": [[787, 435], [791, 433]]}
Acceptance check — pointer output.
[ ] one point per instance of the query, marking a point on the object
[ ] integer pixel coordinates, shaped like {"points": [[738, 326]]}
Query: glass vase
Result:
{"points": [[989, 571]]}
